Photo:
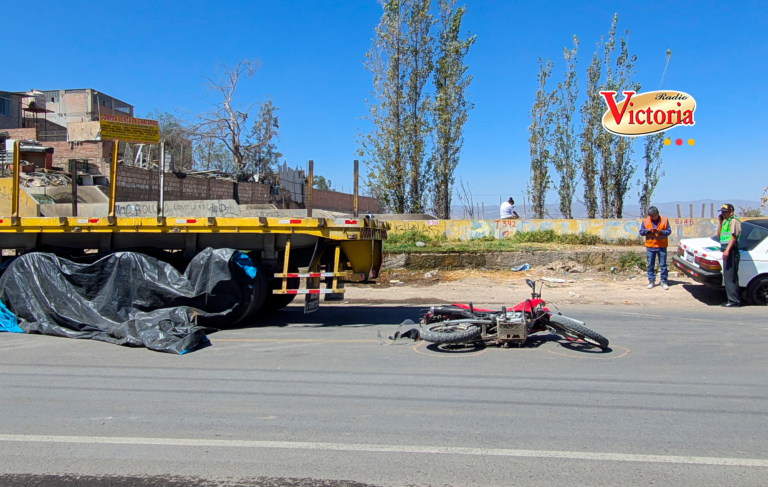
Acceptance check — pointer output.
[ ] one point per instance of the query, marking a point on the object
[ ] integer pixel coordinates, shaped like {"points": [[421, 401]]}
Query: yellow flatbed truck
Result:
{"points": [[334, 250]]}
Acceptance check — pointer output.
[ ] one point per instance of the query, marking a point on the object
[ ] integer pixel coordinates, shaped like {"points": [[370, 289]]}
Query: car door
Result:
{"points": [[753, 248]]}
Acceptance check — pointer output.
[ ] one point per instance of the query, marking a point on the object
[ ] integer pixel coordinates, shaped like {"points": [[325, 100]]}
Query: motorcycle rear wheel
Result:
{"points": [[441, 333], [576, 329]]}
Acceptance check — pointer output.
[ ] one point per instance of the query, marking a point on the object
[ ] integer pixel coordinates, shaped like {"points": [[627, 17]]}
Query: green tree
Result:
{"points": [[605, 140], [451, 106], [591, 129], [540, 131], [322, 183], [178, 143], [623, 166], [212, 155], [262, 159], [384, 148], [418, 66], [565, 157]]}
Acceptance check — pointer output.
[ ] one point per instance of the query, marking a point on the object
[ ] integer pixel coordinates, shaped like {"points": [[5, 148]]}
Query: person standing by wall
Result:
{"points": [[656, 231], [507, 210], [729, 232]]}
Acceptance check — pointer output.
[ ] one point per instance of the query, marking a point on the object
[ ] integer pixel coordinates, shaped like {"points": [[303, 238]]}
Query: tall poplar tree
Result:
{"points": [[451, 106], [418, 64], [623, 167], [540, 131], [591, 130], [565, 156], [605, 140], [385, 147]]}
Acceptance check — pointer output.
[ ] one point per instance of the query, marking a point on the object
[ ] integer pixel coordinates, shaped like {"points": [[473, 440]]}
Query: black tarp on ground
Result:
{"points": [[129, 298]]}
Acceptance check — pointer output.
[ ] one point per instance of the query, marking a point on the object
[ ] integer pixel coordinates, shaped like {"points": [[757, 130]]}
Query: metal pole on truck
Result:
{"points": [[73, 175], [311, 178], [355, 201], [161, 182], [15, 188], [113, 182]]}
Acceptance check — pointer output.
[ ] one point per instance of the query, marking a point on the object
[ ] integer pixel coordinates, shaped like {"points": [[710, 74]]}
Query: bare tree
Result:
{"points": [[653, 144], [227, 121], [466, 199]]}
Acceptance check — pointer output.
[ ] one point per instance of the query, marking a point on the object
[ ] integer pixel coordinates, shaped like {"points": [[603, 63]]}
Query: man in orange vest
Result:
{"points": [[656, 231]]}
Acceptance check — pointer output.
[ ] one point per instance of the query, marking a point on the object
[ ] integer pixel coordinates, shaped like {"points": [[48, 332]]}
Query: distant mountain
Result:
{"points": [[631, 210]]}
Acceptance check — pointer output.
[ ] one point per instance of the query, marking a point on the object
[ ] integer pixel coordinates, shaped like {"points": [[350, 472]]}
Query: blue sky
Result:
{"points": [[152, 54]]}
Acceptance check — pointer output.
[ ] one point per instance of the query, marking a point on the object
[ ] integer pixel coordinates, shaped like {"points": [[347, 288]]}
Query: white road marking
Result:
{"points": [[299, 445]]}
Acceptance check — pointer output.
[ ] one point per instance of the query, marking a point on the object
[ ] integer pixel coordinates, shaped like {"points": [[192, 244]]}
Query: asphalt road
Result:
{"points": [[680, 399]]}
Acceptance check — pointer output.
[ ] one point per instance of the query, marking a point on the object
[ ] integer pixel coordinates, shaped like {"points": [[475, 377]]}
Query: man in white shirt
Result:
{"points": [[508, 210]]}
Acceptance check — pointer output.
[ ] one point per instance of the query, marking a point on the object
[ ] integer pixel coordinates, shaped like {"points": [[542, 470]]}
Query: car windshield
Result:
{"points": [[751, 236]]}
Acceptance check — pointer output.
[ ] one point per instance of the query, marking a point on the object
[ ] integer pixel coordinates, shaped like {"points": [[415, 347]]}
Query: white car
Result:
{"points": [[701, 258]]}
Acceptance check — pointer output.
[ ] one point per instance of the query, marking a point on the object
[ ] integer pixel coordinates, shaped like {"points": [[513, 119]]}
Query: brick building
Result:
{"points": [[10, 110]]}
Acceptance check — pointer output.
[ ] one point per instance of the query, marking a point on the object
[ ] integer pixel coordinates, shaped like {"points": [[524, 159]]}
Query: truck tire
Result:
{"points": [[757, 291], [576, 329], [441, 333], [255, 294]]}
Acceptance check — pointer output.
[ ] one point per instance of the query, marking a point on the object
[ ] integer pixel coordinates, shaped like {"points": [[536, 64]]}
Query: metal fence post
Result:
{"points": [[161, 182], [15, 188], [311, 178], [73, 175], [355, 201], [113, 182]]}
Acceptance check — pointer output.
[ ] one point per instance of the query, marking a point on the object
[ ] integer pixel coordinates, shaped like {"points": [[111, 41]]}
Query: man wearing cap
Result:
{"points": [[729, 232], [656, 231]]}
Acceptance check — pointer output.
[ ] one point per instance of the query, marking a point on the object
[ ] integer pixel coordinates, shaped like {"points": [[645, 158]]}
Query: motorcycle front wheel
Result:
{"points": [[446, 332], [576, 329]]}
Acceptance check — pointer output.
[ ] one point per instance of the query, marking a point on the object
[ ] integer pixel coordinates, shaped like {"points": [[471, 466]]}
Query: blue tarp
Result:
{"points": [[8, 321]]}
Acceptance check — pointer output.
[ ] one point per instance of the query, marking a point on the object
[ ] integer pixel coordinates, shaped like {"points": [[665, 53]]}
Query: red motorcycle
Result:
{"points": [[464, 324]]}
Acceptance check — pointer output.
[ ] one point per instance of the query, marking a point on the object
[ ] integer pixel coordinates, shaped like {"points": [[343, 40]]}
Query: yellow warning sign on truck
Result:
{"points": [[129, 129]]}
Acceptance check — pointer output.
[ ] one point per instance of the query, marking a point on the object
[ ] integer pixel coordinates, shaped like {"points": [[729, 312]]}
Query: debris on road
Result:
{"points": [[553, 279], [407, 329], [520, 268]]}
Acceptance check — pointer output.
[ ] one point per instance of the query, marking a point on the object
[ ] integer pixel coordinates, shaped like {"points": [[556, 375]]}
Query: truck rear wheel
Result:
{"points": [[255, 294]]}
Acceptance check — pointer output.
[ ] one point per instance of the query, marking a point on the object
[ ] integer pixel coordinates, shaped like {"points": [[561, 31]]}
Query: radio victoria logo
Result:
{"points": [[647, 113]]}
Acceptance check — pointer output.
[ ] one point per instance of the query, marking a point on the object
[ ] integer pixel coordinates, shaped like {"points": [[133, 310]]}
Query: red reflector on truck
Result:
{"points": [[350, 222]]}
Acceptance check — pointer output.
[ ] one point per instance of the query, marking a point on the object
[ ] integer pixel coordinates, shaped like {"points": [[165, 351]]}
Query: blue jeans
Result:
{"points": [[651, 256]]}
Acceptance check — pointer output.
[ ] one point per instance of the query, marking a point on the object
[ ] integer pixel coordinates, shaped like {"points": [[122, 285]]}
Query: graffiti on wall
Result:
{"points": [[605, 229]]}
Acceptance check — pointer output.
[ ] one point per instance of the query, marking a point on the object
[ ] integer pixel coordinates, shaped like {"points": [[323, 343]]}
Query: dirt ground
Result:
{"points": [[508, 288]]}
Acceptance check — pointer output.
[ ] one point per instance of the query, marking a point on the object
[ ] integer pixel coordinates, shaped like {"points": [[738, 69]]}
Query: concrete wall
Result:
{"points": [[606, 229]]}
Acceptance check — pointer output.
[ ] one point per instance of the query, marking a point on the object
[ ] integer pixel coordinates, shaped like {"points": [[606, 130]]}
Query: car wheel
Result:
{"points": [[757, 292]]}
